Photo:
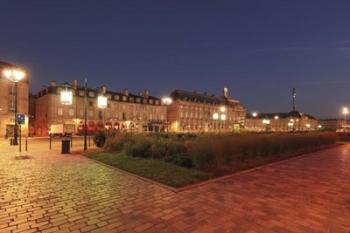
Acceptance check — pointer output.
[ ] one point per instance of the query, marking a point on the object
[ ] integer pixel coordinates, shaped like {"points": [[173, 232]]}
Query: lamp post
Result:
{"points": [[266, 122], [66, 98], [345, 112], [15, 76], [102, 103], [85, 115], [167, 101], [254, 115]]}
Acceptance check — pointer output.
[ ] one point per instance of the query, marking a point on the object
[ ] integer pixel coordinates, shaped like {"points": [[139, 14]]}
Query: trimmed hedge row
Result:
{"points": [[210, 152]]}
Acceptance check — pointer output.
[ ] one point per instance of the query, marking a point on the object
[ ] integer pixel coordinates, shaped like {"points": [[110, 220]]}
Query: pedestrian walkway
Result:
{"points": [[45, 191]]}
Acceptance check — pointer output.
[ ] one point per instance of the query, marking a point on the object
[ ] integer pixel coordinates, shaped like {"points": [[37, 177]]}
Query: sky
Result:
{"points": [[260, 49]]}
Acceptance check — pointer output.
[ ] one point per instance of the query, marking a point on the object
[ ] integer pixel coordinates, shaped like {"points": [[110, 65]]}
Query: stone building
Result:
{"points": [[280, 122], [123, 110], [7, 101], [199, 112], [335, 124]]}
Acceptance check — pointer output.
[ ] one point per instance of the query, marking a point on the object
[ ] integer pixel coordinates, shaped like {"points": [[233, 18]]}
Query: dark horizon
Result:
{"points": [[259, 49]]}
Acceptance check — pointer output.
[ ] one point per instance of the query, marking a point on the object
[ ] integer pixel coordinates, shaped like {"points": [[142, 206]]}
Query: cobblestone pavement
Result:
{"points": [[48, 192]]}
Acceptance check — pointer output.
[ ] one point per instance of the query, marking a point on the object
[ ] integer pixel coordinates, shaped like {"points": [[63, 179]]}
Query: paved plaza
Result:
{"points": [[43, 191]]}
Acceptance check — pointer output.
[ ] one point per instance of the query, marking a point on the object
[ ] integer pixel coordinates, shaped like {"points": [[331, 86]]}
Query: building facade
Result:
{"points": [[7, 101], [335, 124], [199, 112], [280, 122], [123, 111]]}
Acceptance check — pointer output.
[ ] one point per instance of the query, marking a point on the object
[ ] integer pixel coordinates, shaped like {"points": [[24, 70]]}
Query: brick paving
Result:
{"points": [[48, 192]]}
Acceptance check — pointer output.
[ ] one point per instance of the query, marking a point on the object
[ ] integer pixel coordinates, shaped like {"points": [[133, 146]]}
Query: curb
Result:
{"points": [[221, 178]]}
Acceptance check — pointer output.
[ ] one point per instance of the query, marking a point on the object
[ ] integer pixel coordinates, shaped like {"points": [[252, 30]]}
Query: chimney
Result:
{"points": [[75, 84], [226, 92], [103, 89], [146, 94], [126, 92], [53, 83]]}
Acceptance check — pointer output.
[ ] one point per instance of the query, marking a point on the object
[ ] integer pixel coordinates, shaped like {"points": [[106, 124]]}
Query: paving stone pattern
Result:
{"points": [[48, 192]]}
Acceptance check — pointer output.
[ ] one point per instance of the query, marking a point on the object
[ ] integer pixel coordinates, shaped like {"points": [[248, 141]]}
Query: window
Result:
{"points": [[81, 93], [81, 112], [91, 113], [157, 102], [131, 99], [138, 100], [91, 104], [91, 94], [71, 112], [124, 98], [151, 101], [60, 111]]}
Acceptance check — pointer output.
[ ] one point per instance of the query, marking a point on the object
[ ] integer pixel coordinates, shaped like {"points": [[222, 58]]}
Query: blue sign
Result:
{"points": [[20, 118]]}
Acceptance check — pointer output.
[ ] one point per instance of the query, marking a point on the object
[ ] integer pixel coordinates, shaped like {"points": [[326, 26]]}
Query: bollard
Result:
{"points": [[26, 144], [20, 139], [71, 141], [50, 141]]}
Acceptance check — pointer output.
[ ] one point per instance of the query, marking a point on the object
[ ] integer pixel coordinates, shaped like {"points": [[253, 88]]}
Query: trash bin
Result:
{"points": [[65, 149]]}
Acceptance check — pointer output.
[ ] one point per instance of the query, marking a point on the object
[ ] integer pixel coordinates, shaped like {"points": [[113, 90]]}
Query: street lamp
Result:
{"points": [[223, 117], [308, 126], [167, 101], [254, 115], [266, 122], [345, 112], [216, 116], [15, 75], [66, 96], [102, 103], [222, 109]]}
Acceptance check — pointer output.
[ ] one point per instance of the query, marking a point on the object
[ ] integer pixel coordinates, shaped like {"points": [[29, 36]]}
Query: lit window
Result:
{"points": [[60, 111], [91, 94], [71, 112]]}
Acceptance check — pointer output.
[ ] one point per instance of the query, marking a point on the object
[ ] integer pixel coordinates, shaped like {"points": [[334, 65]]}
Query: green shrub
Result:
{"points": [[115, 143], [175, 147], [203, 156], [182, 160], [100, 138], [159, 149], [210, 151], [139, 147]]}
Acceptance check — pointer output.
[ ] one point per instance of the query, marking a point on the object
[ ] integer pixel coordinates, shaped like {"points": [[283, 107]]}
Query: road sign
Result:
{"points": [[20, 118]]}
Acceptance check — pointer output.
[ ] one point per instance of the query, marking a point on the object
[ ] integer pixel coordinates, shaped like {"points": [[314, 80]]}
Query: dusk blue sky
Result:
{"points": [[260, 48]]}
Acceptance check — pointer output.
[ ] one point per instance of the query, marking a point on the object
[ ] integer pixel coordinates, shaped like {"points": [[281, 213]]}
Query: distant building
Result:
{"points": [[280, 122], [200, 112], [124, 111], [31, 115], [334, 124], [7, 101]]}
